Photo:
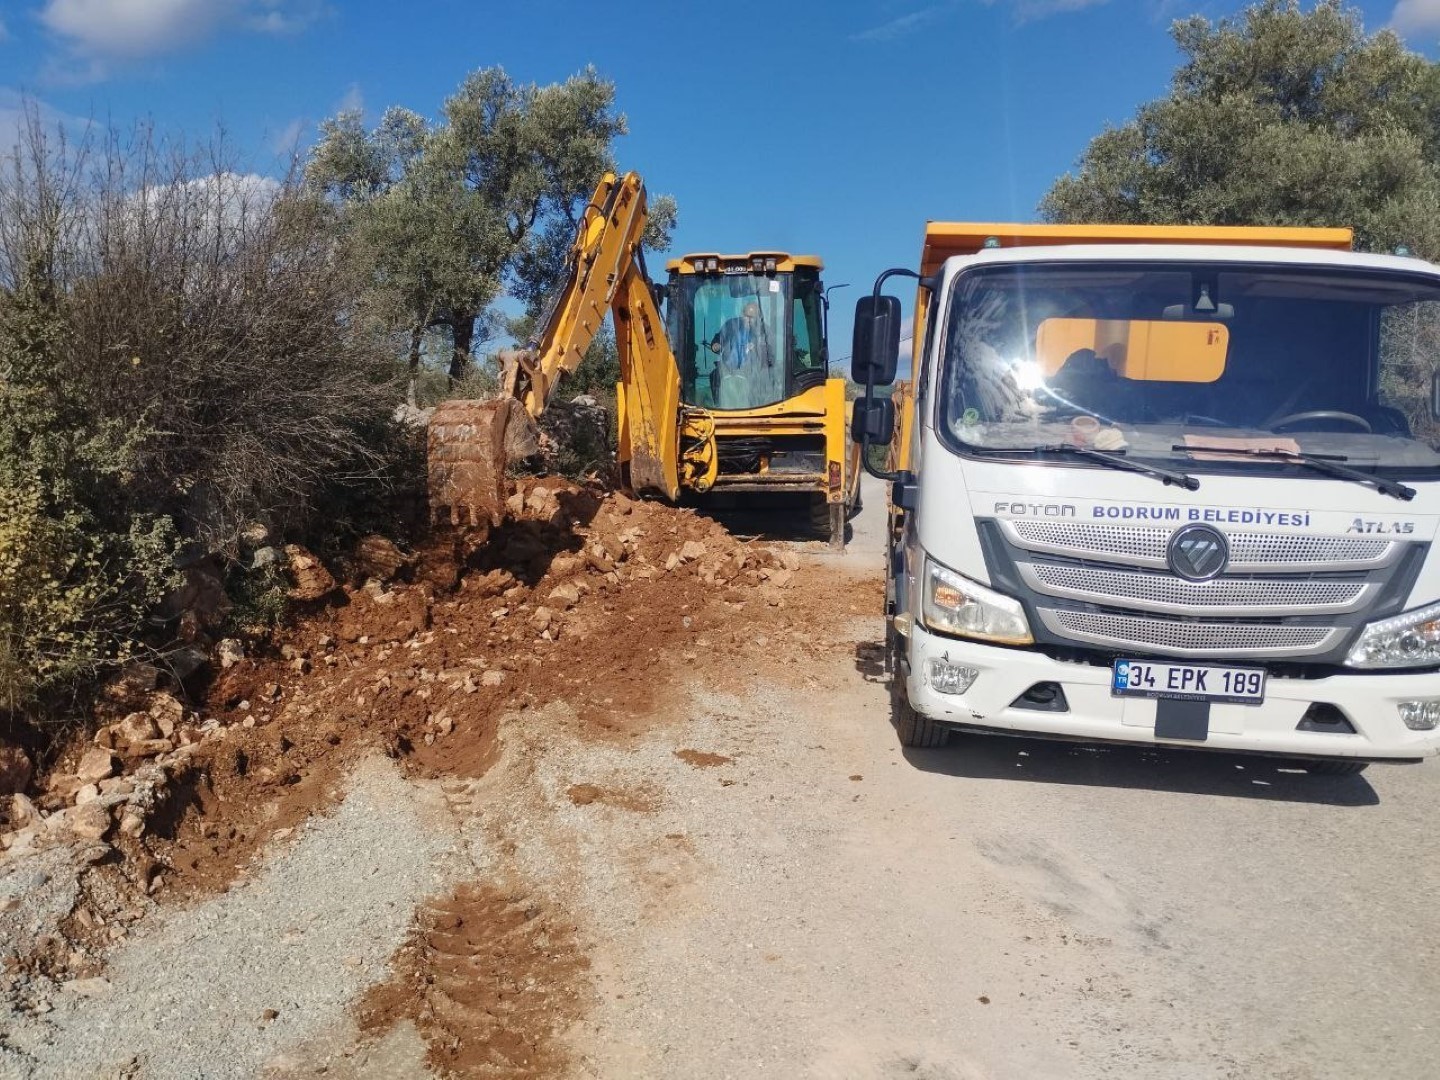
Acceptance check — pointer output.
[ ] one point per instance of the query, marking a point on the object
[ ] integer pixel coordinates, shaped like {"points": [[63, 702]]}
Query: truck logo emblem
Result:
{"points": [[1197, 552]]}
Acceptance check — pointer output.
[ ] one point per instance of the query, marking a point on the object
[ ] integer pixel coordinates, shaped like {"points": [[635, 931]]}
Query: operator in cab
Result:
{"points": [[746, 356]]}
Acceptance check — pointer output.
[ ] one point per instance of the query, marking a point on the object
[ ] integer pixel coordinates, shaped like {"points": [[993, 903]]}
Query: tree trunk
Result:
{"points": [[463, 332], [417, 333]]}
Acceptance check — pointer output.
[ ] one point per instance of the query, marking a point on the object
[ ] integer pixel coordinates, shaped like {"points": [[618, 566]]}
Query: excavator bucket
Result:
{"points": [[469, 445]]}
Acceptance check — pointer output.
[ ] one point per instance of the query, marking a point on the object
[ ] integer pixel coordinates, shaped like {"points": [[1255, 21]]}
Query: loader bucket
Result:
{"points": [[468, 446]]}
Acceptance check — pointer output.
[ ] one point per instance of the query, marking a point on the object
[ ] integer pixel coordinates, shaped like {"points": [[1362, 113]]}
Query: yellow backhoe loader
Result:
{"points": [[723, 397]]}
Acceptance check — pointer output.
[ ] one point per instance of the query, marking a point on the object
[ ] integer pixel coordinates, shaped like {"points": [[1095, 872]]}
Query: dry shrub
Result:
{"points": [[182, 351]]}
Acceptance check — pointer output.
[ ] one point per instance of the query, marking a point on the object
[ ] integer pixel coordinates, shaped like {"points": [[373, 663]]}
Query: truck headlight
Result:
{"points": [[1411, 639], [956, 605]]}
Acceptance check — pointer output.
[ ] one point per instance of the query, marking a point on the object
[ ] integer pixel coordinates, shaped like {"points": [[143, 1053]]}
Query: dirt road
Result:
{"points": [[748, 878]]}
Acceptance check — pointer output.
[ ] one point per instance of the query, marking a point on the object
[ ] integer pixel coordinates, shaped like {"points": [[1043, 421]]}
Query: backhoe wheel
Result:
{"points": [[1334, 767], [913, 729], [827, 520]]}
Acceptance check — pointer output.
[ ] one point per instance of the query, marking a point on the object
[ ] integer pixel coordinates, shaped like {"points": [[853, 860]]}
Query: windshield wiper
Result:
{"points": [[1113, 459], [1328, 464]]}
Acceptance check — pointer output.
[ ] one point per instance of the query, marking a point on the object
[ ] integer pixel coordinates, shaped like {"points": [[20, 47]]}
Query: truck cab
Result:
{"points": [[1163, 485]]}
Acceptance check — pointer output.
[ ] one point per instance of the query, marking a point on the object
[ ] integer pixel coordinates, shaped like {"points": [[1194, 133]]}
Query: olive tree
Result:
{"points": [[449, 214], [1279, 116]]}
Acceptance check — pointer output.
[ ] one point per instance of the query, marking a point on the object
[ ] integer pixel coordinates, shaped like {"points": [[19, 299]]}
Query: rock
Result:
{"points": [[672, 561], [300, 665], [185, 662], [131, 683], [132, 823], [22, 811], [789, 560], [312, 580], [136, 727], [781, 578], [541, 619], [229, 652], [149, 748], [15, 769], [270, 691], [563, 565], [96, 987], [88, 793], [446, 725], [377, 557], [515, 504], [90, 821], [692, 550], [492, 584], [254, 534], [166, 711], [492, 678], [263, 557], [201, 595], [117, 785], [95, 764], [566, 596]]}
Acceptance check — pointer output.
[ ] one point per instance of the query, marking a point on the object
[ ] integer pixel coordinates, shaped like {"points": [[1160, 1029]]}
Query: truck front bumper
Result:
{"points": [[1370, 701]]}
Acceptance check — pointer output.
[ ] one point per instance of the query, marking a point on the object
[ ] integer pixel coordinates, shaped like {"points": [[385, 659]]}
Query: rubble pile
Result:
{"points": [[590, 598]]}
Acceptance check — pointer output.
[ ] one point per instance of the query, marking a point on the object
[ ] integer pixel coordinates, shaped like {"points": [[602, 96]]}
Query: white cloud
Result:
{"points": [[1024, 11], [353, 100], [14, 106], [1034, 10], [287, 139], [901, 25], [1416, 17], [140, 29]]}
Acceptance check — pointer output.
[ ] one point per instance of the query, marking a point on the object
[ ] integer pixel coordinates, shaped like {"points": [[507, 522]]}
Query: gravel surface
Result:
{"points": [[186, 996], [766, 885]]}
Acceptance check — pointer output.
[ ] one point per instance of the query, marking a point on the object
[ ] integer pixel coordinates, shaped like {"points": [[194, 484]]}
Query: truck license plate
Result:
{"points": [[1188, 682]]}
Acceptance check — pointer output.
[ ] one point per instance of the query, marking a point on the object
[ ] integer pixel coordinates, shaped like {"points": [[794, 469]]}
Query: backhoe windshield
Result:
{"points": [[746, 340], [1144, 358]]}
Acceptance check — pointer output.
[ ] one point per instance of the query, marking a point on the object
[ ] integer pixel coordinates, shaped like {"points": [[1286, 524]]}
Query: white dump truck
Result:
{"points": [[1162, 485]]}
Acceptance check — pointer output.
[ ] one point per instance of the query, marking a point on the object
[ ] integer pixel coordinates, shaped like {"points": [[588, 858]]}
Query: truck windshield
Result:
{"points": [[744, 341], [1153, 359]]}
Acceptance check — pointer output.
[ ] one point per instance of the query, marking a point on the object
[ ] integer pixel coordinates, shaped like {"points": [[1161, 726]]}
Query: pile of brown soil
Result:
{"points": [[595, 599]]}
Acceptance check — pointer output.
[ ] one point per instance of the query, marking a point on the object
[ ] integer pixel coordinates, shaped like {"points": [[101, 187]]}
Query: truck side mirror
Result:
{"points": [[873, 421], [1435, 394], [875, 348]]}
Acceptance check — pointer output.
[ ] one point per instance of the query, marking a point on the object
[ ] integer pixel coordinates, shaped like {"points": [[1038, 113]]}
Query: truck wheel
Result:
{"points": [[914, 730], [1334, 767]]}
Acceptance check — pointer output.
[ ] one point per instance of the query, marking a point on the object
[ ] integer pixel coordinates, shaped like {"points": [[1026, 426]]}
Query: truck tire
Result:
{"points": [[1334, 767], [913, 729]]}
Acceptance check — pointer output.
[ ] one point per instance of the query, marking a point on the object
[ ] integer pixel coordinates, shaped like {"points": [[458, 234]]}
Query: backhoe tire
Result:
{"points": [[827, 519], [1334, 767], [914, 730]]}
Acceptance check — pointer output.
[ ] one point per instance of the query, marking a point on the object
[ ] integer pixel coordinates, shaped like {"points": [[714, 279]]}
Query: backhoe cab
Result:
{"points": [[748, 333]]}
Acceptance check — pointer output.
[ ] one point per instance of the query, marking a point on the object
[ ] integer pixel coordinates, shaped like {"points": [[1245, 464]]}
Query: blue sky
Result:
{"points": [[833, 127]]}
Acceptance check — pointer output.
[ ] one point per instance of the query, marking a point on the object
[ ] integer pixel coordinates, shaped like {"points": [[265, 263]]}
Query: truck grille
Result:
{"points": [[1106, 588], [1191, 637], [1249, 552], [1223, 596]]}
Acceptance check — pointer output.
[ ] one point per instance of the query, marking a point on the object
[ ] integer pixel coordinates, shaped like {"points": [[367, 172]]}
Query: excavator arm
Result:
{"points": [[605, 272]]}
